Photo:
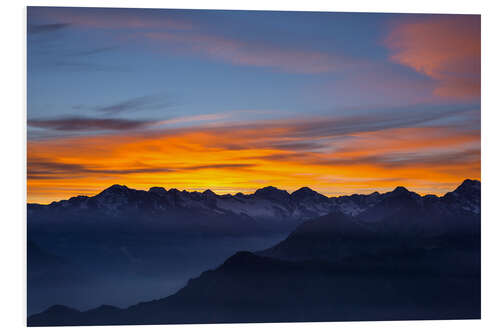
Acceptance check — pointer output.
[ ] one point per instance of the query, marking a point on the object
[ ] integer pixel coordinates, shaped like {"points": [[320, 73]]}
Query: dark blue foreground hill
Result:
{"points": [[251, 288]]}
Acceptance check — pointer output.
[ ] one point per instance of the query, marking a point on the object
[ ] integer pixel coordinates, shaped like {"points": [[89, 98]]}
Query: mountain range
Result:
{"points": [[268, 208], [391, 256]]}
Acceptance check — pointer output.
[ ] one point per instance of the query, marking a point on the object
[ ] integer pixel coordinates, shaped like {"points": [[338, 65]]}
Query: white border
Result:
{"points": [[13, 184]]}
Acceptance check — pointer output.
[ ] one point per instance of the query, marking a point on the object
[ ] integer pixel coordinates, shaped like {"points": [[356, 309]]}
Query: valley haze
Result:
{"points": [[358, 241]]}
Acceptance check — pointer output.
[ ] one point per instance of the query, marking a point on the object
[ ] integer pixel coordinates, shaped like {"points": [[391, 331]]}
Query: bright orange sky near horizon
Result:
{"points": [[395, 104], [229, 160]]}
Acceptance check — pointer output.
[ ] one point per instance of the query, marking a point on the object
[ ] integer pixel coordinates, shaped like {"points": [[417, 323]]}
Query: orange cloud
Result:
{"points": [[446, 48], [286, 154]]}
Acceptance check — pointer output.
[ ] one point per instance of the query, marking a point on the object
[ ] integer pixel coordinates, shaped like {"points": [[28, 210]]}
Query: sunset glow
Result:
{"points": [[182, 99]]}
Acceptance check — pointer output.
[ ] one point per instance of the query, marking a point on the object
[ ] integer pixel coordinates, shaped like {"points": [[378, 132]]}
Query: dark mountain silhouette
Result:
{"points": [[268, 209], [46, 271], [403, 256]]}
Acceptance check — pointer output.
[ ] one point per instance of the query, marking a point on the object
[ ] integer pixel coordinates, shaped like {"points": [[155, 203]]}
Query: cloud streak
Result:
{"points": [[173, 33], [147, 102], [239, 52], [76, 125], [46, 28], [51, 169], [446, 48], [405, 159], [93, 51], [111, 18], [88, 124], [43, 168]]}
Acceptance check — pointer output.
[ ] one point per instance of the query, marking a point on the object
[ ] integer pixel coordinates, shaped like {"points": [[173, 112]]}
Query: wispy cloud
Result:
{"points": [[300, 133], [88, 124], [147, 102], [90, 52], [111, 18], [47, 168], [313, 132], [446, 48], [251, 53], [45, 28], [76, 124], [397, 160], [194, 119], [219, 166], [378, 84], [173, 33], [50, 52], [52, 169]]}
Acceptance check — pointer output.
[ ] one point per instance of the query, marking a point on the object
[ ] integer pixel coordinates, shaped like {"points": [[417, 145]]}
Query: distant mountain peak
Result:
{"points": [[468, 185], [304, 191], [158, 190], [471, 181], [400, 190], [467, 195], [271, 191], [209, 193], [115, 189]]}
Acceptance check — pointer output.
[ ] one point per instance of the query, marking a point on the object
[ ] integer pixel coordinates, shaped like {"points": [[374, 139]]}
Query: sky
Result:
{"points": [[233, 101]]}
